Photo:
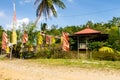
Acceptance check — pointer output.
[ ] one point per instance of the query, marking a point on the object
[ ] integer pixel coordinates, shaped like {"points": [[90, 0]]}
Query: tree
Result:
{"points": [[71, 29], [1, 31], [44, 27], [114, 40], [31, 33], [115, 21], [46, 7], [54, 30], [90, 24]]}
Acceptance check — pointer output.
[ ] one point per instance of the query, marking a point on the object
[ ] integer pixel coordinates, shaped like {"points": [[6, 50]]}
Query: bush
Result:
{"points": [[96, 45], [106, 56], [40, 54], [55, 52]]}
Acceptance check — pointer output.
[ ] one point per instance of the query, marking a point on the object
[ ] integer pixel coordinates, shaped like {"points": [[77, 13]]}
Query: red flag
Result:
{"points": [[65, 43], [25, 37], [4, 41]]}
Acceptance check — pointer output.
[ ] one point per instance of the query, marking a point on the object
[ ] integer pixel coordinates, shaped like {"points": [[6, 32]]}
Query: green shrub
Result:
{"points": [[55, 52], [106, 56], [40, 54], [96, 45]]}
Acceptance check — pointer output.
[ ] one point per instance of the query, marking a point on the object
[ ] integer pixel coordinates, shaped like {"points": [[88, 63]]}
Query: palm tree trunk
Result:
{"points": [[38, 17]]}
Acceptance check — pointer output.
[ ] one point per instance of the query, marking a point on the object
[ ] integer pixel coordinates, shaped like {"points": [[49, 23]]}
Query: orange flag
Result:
{"points": [[4, 41], [65, 43], [47, 39], [25, 37]]}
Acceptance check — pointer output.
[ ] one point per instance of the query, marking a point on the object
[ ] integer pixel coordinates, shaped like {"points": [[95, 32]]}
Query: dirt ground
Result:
{"points": [[25, 70]]}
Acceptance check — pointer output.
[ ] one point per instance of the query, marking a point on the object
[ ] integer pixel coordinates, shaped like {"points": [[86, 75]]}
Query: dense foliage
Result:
{"points": [[111, 28]]}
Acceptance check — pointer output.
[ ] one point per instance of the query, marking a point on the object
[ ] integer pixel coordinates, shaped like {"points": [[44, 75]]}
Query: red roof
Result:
{"points": [[87, 30]]}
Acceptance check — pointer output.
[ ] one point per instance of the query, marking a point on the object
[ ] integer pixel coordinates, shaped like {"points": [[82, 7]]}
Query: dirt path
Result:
{"points": [[23, 70]]}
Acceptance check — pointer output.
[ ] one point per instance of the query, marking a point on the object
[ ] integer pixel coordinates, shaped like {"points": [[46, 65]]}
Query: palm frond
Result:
{"points": [[59, 3], [54, 11], [36, 1], [46, 7]]}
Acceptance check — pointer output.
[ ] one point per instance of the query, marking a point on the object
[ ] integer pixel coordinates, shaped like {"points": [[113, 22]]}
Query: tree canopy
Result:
{"points": [[46, 7]]}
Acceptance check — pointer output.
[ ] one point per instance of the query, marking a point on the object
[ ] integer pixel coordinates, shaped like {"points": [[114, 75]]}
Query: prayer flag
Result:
{"points": [[47, 39], [4, 41], [39, 39], [65, 43], [25, 37], [53, 40], [14, 35]]}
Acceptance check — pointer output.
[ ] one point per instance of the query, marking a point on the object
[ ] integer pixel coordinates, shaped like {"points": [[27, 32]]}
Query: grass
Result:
{"points": [[2, 57], [80, 63], [89, 64]]}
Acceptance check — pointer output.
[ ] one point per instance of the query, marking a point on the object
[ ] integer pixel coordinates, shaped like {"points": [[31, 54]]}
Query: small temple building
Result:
{"points": [[82, 38]]}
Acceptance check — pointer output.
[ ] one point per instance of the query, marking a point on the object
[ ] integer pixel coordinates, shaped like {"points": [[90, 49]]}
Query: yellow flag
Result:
{"points": [[53, 40], [30, 48], [39, 39], [61, 39], [14, 37], [7, 50]]}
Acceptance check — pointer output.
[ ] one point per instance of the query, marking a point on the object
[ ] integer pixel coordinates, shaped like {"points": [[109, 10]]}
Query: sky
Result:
{"points": [[77, 12]]}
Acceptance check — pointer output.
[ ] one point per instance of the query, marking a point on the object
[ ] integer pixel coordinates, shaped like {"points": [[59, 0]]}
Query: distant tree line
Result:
{"points": [[111, 27]]}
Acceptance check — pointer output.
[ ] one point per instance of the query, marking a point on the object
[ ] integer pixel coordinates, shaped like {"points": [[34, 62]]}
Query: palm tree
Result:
{"points": [[46, 7]]}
